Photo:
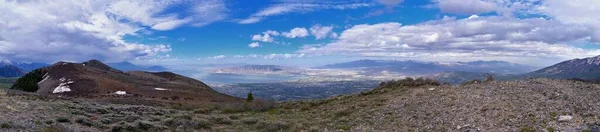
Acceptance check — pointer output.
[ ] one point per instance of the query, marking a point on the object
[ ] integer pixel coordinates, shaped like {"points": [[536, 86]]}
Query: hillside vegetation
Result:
{"points": [[402, 105]]}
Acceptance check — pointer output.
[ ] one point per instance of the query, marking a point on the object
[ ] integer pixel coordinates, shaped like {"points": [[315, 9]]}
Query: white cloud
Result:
{"points": [[250, 20], [483, 37], [334, 35], [271, 32], [575, 12], [296, 33], [266, 37], [285, 8], [390, 3], [170, 25], [254, 45], [79, 30], [321, 32], [208, 11], [465, 6], [218, 57], [263, 38]]}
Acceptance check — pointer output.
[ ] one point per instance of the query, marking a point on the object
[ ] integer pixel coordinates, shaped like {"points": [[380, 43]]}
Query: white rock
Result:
{"points": [[46, 76], [120, 93], [431, 89], [160, 89], [564, 118]]}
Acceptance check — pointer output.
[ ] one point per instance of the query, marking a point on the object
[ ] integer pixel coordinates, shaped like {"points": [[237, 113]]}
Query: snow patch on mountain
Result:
{"points": [[63, 86]]}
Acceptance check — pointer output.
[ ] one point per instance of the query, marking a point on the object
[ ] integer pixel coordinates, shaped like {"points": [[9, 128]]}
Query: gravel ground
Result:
{"points": [[534, 104], [525, 105]]}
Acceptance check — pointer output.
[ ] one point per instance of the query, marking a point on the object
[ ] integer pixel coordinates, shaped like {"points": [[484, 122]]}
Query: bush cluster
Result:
{"points": [[30, 80], [256, 105], [409, 82]]}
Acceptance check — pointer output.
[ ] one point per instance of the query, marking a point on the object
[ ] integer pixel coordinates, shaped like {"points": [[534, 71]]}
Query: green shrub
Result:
{"points": [[84, 121], [5, 125], [344, 127], [220, 120], [49, 122], [408, 82], [250, 121], [201, 124], [273, 126], [342, 113], [203, 110], [50, 129], [550, 129], [63, 119], [526, 129], [256, 105]]}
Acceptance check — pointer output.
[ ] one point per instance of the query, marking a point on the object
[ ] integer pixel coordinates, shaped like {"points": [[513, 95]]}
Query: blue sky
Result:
{"points": [[231, 38], [298, 32]]}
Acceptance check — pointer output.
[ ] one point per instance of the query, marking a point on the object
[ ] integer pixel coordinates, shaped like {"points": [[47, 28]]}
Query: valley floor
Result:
{"points": [[525, 105]]}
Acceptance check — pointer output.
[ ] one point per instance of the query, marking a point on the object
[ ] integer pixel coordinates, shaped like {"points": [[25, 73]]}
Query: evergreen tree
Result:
{"points": [[29, 81], [250, 97]]}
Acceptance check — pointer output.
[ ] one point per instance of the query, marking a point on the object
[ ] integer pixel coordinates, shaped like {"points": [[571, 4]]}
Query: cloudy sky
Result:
{"points": [[298, 32]]}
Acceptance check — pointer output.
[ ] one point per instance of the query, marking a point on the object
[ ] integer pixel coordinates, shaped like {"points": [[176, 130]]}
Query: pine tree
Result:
{"points": [[250, 97], [29, 81]]}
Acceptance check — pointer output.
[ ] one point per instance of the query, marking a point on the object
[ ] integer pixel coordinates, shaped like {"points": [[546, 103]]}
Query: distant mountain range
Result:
{"points": [[17, 69], [585, 69], [260, 69], [127, 66], [25, 67], [412, 67], [10, 71]]}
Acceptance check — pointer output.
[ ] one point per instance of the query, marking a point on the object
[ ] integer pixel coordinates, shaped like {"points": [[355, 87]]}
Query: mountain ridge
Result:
{"points": [[11, 71], [412, 67], [128, 66], [582, 68], [96, 80]]}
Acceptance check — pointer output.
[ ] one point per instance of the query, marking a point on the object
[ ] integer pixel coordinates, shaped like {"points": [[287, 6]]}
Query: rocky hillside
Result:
{"points": [[94, 79], [413, 104], [586, 68]]}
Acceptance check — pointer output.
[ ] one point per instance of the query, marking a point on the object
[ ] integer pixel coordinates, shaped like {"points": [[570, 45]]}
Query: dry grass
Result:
{"points": [[415, 104]]}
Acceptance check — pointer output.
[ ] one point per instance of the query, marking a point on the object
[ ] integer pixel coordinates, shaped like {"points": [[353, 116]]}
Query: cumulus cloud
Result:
{"points": [[296, 33], [77, 30], [573, 12], [266, 37], [490, 37], [285, 8], [465, 6], [321, 32], [263, 38], [254, 45]]}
